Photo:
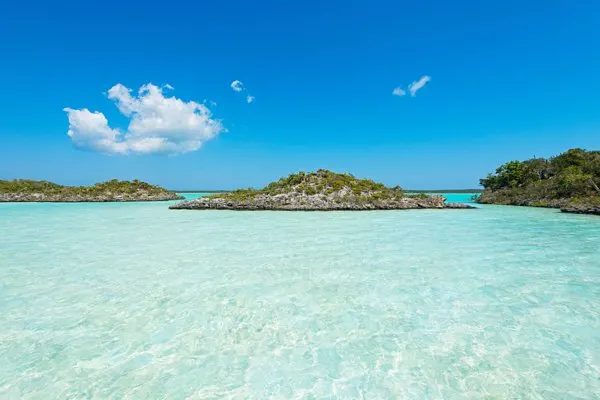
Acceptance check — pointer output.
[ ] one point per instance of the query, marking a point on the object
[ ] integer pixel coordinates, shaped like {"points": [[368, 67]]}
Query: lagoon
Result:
{"points": [[132, 300]]}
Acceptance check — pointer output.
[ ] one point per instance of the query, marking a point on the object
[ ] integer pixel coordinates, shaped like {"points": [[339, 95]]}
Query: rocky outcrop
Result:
{"points": [[569, 181], [586, 205], [86, 198], [514, 197], [581, 208], [22, 190], [318, 191], [315, 202]]}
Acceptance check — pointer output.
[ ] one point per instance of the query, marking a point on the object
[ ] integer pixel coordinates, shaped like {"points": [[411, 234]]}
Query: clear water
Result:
{"points": [[191, 196], [459, 197], [135, 301]]}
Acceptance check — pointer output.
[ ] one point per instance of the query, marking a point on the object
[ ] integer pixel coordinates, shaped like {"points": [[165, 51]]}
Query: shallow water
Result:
{"points": [[131, 300]]}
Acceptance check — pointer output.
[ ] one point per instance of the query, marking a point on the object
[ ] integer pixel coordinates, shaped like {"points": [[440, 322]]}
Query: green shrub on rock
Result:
{"points": [[543, 182]]}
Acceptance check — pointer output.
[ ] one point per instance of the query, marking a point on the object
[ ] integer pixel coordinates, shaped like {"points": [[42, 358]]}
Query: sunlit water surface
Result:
{"points": [[136, 301]]}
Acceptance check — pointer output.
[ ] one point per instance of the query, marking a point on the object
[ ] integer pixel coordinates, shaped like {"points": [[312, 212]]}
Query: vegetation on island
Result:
{"points": [[318, 191], [569, 181], [113, 190], [320, 182]]}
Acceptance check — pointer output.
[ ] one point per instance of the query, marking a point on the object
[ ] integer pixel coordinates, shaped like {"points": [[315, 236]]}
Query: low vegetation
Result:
{"points": [[321, 182], [322, 190], [571, 178], [24, 189]]}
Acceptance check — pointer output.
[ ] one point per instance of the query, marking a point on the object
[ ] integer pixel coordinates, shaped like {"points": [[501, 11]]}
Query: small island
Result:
{"points": [[318, 191], [23, 190], [569, 181]]}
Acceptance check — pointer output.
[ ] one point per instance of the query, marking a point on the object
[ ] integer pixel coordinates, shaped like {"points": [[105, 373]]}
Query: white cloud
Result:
{"points": [[90, 130], [398, 91], [416, 85], [237, 86], [158, 124]]}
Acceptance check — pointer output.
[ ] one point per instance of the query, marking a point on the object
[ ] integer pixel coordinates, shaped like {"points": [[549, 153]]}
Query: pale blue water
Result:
{"points": [[190, 196], [459, 197], [132, 300]]}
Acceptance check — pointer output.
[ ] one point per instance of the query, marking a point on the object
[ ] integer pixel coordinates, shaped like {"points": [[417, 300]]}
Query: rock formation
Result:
{"points": [[112, 191], [318, 191]]}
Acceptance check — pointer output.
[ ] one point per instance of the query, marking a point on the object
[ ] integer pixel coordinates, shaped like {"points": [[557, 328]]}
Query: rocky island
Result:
{"points": [[569, 181], [23, 190], [318, 191]]}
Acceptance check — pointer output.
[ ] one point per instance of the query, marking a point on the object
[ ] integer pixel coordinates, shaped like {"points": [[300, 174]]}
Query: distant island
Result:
{"points": [[23, 190], [318, 191], [569, 181]]}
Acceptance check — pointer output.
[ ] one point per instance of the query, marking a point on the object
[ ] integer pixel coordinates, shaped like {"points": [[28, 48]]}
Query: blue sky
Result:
{"points": [[509, 80]]}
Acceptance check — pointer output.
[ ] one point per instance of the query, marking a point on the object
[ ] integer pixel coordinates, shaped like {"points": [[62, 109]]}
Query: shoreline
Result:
{"points": [[28, 191], [459, 206], [78, 198], [316, 203], [564, 206], [86, 201]]}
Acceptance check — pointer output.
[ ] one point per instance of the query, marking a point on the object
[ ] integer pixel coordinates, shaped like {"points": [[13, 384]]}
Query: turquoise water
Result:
{"points": [[190, 196], [132, 300], [459, 197]]}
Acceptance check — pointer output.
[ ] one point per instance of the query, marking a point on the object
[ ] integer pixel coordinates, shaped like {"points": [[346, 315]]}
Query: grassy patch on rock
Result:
{"points": [[30, 190], [321, 182]]}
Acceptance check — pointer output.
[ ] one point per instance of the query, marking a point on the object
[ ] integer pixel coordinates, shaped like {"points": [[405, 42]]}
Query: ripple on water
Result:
{"points": [[134, 300]]}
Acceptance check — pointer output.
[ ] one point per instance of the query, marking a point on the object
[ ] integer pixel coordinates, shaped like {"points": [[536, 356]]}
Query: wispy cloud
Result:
{"points": [[237, 86], [417, 85], [399, 91], [157, 124], [413, 88]]}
